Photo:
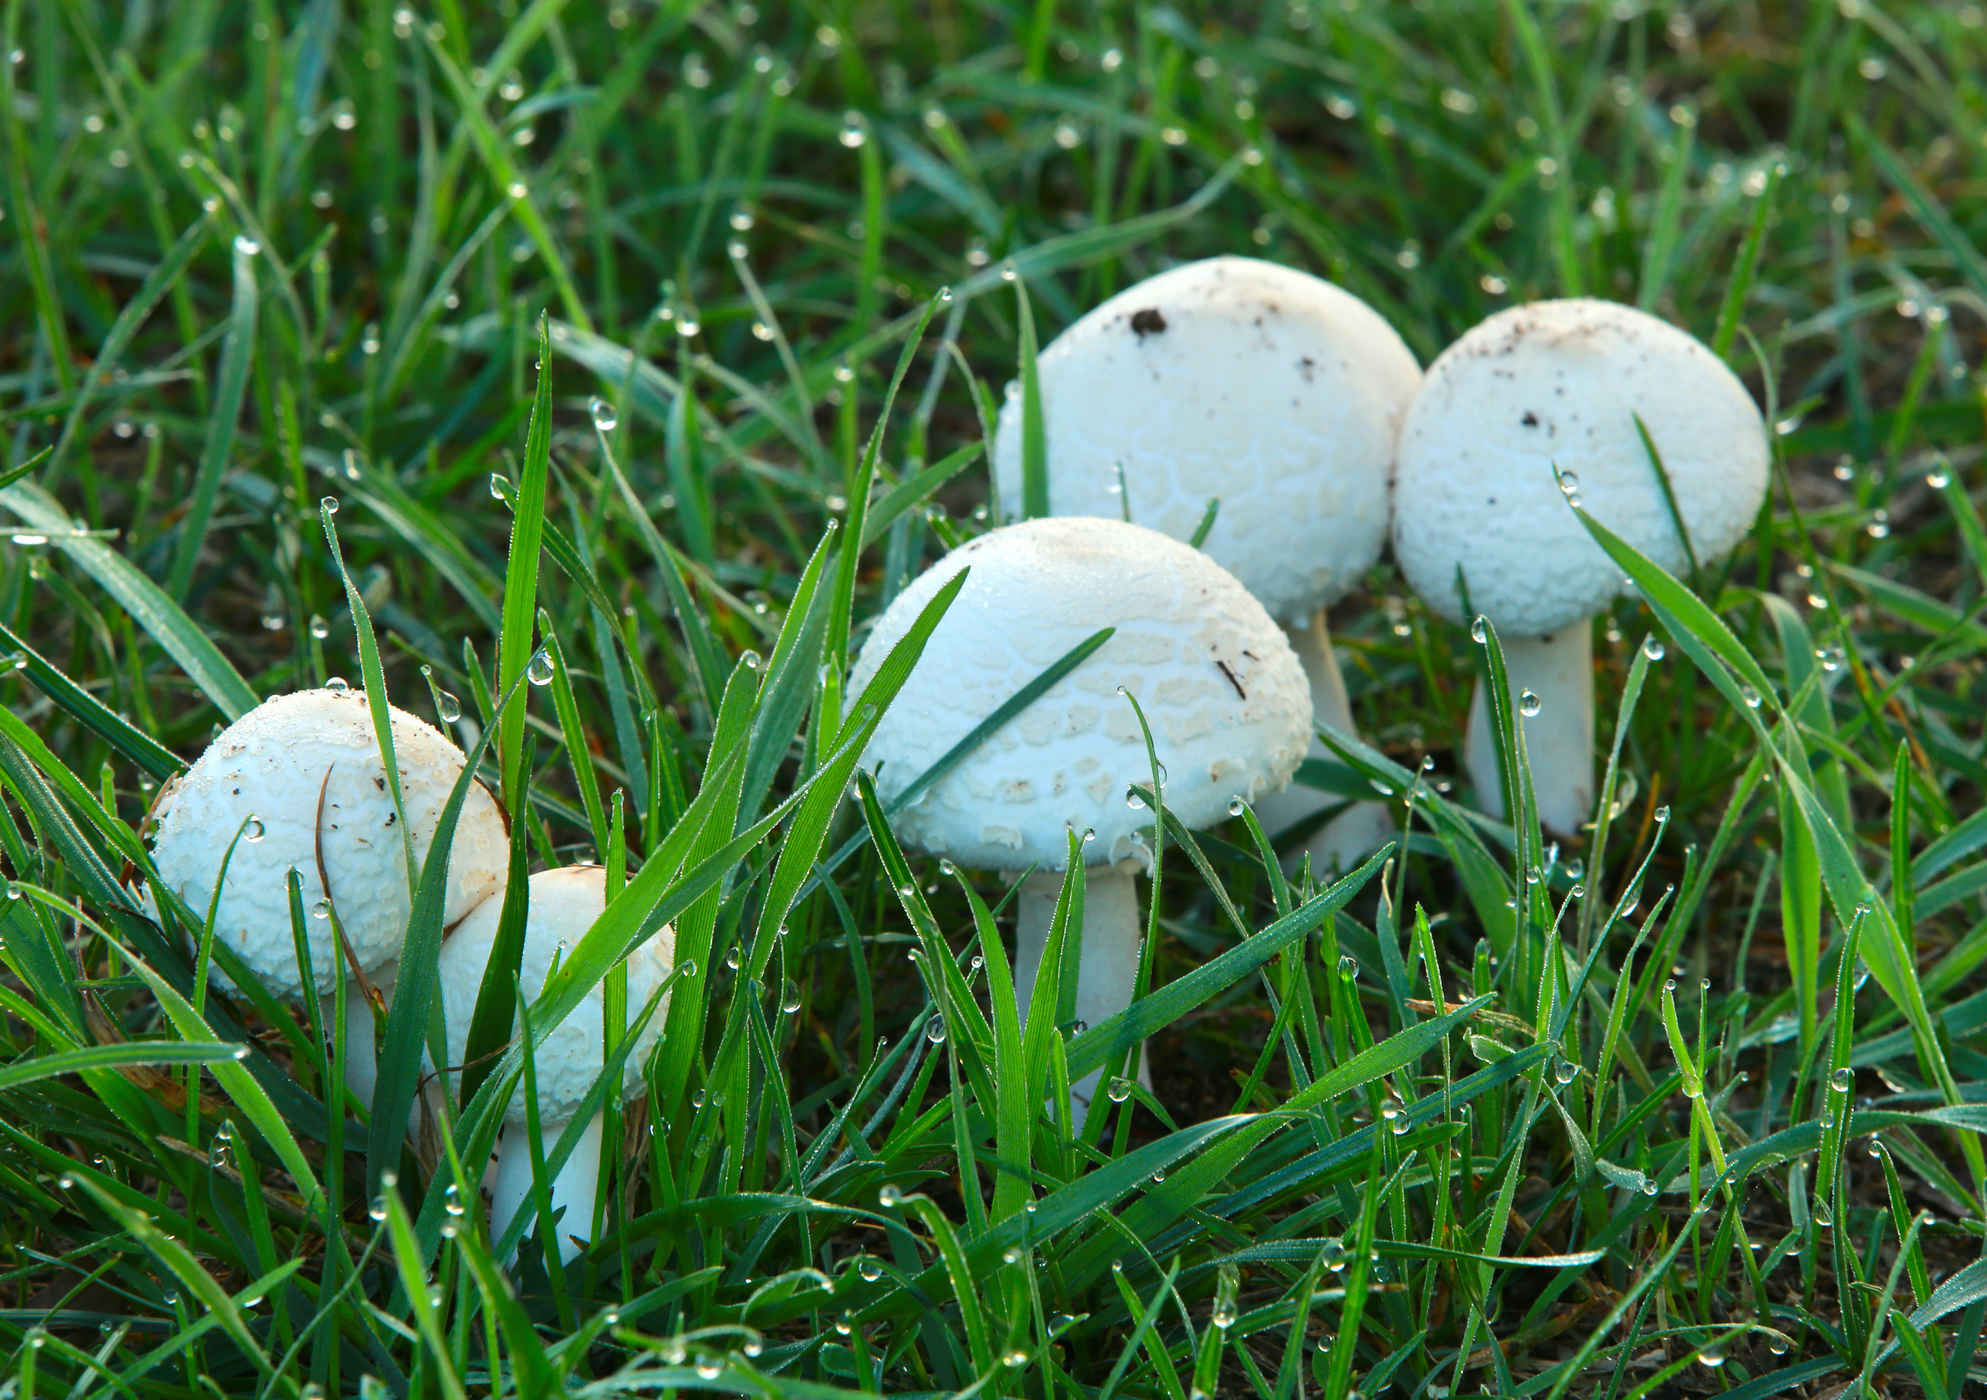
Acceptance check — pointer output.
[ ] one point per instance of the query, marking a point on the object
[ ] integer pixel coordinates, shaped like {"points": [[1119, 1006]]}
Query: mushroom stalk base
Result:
{"points": [[573, 1186], [1361, 829], [1107, 951], [1559, 669]]}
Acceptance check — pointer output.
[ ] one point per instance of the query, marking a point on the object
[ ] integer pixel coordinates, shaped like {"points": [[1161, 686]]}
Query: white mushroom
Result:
{"points": [[564, 904], [1225, 697], [1272, 391], [1560, 384], [300, 779]]}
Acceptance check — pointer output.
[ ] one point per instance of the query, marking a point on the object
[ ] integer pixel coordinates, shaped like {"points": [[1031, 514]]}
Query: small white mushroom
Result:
{"points": [[1560, 384], [300, 777], [1273, 391], [1224, 695], [564, 904]]}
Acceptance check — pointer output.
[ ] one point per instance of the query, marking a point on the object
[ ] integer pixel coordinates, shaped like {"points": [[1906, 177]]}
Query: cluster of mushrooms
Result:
{"points": [[1229, 445], [298, 783], [1278, 422]]}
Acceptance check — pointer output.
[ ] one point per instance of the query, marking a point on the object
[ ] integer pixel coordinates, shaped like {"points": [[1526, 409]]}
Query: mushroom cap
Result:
{"points": [[1561, 383], [564, 905], [1225, 697], [271, 765], [1270, 389]]}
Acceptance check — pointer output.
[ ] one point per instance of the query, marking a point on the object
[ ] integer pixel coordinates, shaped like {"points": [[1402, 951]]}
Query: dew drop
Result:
{"points": [[1652, 647], [1348, 966], [500, 487], [1119, 1090], [605, 419], [253, 830], [889, 1195], [855, 130], [246, 246], [1842, 1080], [789, 996], [1480, 629], [870, 1269], [1529, 703], [935, 1030], [540, 668], [448, 709], [329, 505]]}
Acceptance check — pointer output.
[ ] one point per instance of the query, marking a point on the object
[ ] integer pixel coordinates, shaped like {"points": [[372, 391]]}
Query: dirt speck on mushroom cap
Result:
{"points": [[273, 764], [1231, 378], [1560, 384]]}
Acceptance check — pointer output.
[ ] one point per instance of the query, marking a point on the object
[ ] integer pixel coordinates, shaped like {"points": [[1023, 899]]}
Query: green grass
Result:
{"points": [[589, 318]]}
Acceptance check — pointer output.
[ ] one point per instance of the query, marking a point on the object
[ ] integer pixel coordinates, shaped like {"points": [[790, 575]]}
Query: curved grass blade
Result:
{"points": [[150, 607]]}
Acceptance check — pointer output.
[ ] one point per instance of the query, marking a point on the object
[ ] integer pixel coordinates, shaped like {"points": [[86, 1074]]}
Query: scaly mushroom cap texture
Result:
{"points": [[1562, 383], [1225, 697], [1273, 391], [563, 905], [275, 765]]}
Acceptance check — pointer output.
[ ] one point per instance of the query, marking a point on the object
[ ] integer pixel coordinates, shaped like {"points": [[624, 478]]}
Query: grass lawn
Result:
{"points": [[588, 376]]}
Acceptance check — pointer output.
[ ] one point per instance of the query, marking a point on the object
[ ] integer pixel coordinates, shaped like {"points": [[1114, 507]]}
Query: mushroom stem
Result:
{"points": [[1351, 835], [361, 1061], [1108, 953], [361, 1058], [574, 1186], [1559, 669]]}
